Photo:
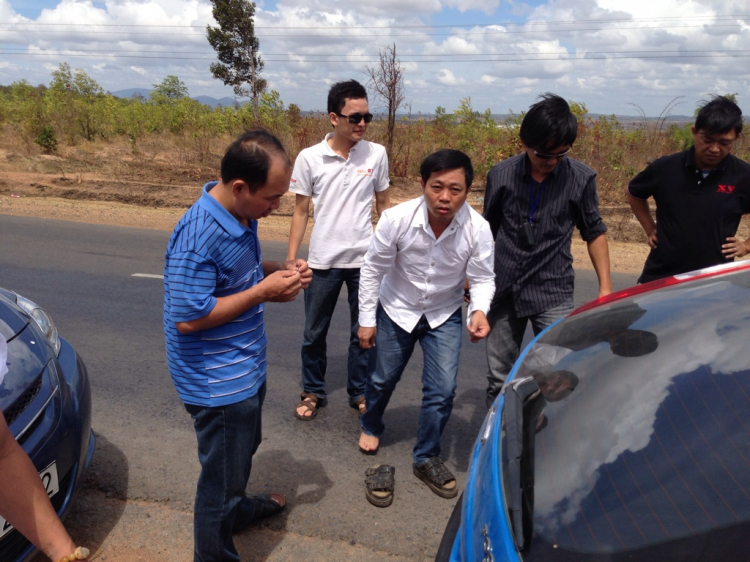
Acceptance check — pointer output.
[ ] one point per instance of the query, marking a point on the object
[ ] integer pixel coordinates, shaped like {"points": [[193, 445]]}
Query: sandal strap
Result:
{"points": [[380, 478], [436, 471]]}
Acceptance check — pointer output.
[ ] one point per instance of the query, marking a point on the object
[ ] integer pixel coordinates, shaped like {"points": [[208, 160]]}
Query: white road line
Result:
{"points": [[149, 275]]}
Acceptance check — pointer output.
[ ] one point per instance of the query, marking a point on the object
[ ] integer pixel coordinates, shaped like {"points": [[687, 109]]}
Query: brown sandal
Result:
{"points": [[311, 403], [360, 405]]}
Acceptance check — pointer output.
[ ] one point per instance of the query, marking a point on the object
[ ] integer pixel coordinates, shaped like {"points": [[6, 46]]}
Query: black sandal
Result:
{"points": [[437, 476], [379, 484], [263, 506]]}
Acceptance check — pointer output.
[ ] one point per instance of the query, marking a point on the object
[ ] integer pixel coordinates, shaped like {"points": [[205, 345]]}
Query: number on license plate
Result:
{"points": [[51, 484]]}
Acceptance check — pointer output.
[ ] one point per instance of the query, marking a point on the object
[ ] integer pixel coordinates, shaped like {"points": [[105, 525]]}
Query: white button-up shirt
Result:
{"points": [[414, 274]]}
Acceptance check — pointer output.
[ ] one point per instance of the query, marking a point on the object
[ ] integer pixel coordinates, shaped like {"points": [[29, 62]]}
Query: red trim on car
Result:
{"points": [[666, 282]]}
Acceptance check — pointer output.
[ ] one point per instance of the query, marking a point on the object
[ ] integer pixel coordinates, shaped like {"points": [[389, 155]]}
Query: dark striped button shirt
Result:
{"points": [[532, 280]]}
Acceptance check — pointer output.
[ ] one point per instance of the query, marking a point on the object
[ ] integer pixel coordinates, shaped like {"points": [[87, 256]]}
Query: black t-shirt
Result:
{"points": [[694, 215]]}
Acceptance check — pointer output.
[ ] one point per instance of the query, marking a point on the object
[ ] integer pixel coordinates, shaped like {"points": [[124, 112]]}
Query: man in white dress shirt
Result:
{"points": [[411, 289]]}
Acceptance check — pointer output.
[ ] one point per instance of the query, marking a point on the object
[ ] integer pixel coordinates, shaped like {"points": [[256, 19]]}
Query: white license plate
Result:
{"points": [[51, 484]]}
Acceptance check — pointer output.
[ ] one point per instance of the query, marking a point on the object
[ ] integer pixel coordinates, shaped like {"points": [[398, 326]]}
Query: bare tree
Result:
{"points": [[387, 82]]}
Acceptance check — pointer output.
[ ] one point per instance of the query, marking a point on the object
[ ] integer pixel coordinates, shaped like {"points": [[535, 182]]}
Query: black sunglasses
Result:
{"points": [[356, 118], [558, 156]]}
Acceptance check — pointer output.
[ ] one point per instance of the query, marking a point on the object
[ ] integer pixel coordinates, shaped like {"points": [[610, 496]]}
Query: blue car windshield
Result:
{"points": [[642, 451]]}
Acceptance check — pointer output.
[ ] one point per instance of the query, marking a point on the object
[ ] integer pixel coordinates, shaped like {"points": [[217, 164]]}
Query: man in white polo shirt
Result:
{"points": [[341, 175]]}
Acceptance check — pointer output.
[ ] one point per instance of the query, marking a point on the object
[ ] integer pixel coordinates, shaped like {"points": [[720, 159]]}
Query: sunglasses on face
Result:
{"points": [[544, 156], [356, 118]]}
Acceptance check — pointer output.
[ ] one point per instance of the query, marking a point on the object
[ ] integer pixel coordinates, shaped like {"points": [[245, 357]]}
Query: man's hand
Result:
{"points": [[281, 286], [735, 248], [479, 327], [651, 239], [305, 272], [367, 337]]}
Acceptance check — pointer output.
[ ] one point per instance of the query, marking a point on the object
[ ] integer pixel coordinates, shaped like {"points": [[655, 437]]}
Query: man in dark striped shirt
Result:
{"points": [[532, 202], [215, 287]]}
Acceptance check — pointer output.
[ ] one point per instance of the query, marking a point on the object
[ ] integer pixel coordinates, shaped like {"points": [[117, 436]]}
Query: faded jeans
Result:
{"points": [[504, 341], [393, 348]]}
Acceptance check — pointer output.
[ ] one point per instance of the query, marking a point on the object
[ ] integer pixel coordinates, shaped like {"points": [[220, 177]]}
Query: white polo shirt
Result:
{"points": [[412, 273], [342, 190]]}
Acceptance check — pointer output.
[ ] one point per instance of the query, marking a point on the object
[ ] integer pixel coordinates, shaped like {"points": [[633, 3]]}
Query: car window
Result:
{"points": [[643, 448]]}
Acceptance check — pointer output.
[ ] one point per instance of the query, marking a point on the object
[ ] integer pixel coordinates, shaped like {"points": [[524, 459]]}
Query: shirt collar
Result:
{"points": [[328, 151], [526, 168], [421, 216], [231, 225], [690, 160]]}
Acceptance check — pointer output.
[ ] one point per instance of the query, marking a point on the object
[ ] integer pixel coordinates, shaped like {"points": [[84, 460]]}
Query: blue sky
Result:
{"points": [[608, 54]]}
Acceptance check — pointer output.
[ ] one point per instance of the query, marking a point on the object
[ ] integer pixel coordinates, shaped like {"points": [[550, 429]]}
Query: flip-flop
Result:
{"points": [[379, 485]]}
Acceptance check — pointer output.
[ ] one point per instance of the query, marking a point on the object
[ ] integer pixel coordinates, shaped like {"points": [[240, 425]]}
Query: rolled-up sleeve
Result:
{"points": [[480, 271], [380, 257], [590, 222]]}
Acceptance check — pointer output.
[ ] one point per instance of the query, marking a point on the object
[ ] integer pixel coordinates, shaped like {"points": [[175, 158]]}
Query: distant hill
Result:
{"points": [[208, 100]]}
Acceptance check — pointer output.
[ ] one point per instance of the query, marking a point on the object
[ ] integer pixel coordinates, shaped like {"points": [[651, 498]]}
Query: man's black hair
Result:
{"points": [[549, 124], [719, 116], [342, 91], [447, 159], [249, 158]]}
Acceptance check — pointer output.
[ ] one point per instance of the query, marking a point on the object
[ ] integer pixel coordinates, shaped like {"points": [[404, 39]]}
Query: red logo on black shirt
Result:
{"points": [[725, 189]]}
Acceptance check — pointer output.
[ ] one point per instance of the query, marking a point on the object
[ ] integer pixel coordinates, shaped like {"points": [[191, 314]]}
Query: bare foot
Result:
{"points": [[368, 444]]}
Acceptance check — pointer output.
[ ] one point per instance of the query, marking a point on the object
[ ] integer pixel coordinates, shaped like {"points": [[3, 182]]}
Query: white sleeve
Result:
{"points": [[380, 257], [384, 179], [480, 270], [301, 182]]}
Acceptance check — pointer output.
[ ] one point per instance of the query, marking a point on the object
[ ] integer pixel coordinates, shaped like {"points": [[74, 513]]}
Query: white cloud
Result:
{"points": [[320, 43], [446, 77], [466, 5], [139, 70]]}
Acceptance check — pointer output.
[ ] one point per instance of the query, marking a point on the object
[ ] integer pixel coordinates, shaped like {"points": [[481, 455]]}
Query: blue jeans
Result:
{"points": [[393, 348], [228, 437], [320, 301], [503, 344]]}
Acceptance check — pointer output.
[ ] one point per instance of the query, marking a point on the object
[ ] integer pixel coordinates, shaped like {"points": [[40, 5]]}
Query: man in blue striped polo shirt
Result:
{"points": [[215, 284]]}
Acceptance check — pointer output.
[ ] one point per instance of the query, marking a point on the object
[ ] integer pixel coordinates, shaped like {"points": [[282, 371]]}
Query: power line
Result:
{"points": [[522, 58], [440, 34], [421, 26], [119, 53]]}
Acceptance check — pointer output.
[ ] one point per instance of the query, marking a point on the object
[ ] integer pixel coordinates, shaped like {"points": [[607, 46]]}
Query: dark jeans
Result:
{"points": [[320, 302], [503, 344], [228, 437], [393, 348]]}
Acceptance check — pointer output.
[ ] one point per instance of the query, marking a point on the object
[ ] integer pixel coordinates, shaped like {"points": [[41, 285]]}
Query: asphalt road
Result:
{"points": [[83, 276]]}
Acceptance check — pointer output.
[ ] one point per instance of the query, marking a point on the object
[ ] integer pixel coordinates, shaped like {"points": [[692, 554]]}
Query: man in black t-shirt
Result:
{"points": [[700, 194]]}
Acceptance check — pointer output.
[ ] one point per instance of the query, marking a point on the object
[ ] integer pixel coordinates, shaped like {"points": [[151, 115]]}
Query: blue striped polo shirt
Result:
{"points": [[210, 255]]}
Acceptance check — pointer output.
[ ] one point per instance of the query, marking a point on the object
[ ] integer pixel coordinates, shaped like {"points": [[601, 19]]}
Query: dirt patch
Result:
{"points": [[107, 184]]}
